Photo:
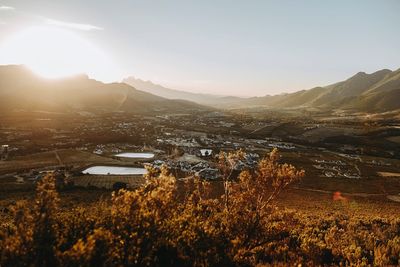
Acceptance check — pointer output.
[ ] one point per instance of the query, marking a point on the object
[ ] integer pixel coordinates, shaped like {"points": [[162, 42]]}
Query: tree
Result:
{"points": [[227, 164], [249, 218]]}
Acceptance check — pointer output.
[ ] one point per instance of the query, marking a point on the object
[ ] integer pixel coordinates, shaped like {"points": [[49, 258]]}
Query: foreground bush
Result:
{"points": [[166, 223]]}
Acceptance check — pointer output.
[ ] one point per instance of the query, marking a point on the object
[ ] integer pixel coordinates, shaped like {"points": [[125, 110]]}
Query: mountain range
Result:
{"points": [[375, 92], [22, 89], [156, 89]]}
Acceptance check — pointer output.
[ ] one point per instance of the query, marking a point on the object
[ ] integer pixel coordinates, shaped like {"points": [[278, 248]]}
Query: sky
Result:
{"points": [[242, 48]]}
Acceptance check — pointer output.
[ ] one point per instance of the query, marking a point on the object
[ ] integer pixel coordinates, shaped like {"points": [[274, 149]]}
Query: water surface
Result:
{"points": [[136, 155], [114, 170]]}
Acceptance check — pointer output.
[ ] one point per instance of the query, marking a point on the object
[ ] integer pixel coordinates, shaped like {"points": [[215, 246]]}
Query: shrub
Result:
{"points": [[173, 223]]}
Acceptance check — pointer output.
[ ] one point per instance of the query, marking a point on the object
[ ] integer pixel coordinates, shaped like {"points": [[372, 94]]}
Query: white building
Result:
{"points": [[206, 152]]}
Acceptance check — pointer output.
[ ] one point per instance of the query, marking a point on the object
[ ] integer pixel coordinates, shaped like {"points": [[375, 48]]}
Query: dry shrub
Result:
{"points": [[160, 224]]}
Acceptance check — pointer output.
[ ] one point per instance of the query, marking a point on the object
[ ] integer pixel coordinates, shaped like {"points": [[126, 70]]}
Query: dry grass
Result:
{"points": [[389, 174]]}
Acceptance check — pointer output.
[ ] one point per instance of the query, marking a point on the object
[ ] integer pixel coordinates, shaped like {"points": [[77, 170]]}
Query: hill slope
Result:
{"points": [[375, 92], [21, 89]]}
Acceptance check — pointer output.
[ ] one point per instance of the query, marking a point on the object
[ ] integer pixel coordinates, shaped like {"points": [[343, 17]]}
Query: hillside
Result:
{"points": [[21, 89], [375, 92]]}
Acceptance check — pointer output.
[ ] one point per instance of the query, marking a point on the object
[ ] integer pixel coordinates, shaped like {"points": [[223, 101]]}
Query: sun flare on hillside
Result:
{"points": [[52, 52]]}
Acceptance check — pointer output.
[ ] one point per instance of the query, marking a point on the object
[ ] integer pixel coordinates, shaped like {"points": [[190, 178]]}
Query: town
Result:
{"points": [[188, 144]]}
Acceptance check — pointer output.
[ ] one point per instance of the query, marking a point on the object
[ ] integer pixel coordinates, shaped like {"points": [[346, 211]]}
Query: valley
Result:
{"points": [[354, 154]]}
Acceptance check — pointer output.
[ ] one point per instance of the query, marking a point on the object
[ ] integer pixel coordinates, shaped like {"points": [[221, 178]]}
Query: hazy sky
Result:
{"points": [[224, 47]]}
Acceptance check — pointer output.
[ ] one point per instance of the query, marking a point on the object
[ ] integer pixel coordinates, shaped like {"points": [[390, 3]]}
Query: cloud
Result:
{"points": [[71, 25], [7, 8]]}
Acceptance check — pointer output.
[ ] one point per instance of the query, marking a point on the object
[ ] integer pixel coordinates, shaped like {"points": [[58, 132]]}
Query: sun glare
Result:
{"points": [[52, 52]]}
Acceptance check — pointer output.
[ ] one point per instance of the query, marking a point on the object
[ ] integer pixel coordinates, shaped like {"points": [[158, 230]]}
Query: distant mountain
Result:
{"points": [[21, 89], [155, 89], [375, 92]]}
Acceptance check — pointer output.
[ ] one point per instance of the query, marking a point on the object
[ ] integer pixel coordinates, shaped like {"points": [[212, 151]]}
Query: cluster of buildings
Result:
{"points": [[62, 175], [202, 165], [337, 168]]}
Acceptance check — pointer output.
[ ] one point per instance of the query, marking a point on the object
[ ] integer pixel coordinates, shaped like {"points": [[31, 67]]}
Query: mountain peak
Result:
{"points": [[156, 89], [363, 74], [360, 73]]}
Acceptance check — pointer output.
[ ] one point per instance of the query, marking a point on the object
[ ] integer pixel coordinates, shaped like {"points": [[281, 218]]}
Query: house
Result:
{"points": [[206, 152]]}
